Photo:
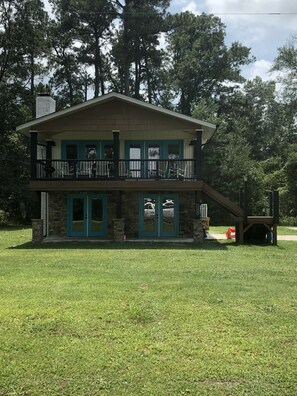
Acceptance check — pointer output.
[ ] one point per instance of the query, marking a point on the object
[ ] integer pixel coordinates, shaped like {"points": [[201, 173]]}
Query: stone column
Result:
{"points": [[197, 231], [37, 230], [119, 230]]}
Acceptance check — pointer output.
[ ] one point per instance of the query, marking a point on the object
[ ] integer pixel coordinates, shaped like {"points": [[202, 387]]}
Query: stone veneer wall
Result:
{"points": [[119, 230], [58, 213], [130, 213], [186, 214], [197, 230], [37, 230]]}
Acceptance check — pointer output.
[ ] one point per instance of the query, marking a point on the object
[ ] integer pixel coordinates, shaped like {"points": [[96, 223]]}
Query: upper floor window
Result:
{"points": [[89, 150]]}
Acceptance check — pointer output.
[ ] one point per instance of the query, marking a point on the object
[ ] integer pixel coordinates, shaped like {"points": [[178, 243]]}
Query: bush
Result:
{"points": [[288, 221]]}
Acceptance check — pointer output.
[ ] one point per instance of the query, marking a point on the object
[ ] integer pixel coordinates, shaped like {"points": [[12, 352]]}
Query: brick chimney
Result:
{"points": [[45, 105]]}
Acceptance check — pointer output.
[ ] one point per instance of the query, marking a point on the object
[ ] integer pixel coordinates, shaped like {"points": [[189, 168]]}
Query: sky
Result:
{"points": [[262, 25]]}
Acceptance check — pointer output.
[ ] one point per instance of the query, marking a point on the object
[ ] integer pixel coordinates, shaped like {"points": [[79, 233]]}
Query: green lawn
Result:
{"points": [[147, 319]]}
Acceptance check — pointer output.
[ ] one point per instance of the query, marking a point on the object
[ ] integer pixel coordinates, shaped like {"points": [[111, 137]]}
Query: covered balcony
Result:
{"points": [[160, 169]]}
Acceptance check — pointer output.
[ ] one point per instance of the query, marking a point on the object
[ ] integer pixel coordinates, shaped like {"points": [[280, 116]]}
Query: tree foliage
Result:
{"points": [[181, 61], [201, 64]]}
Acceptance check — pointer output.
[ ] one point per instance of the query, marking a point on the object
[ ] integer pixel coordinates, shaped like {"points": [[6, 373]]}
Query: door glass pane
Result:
{"points": [[71, 156], [135, 166], [153, 154], [173, 155], [90, 151], [108, 151], [173, 150], [96, 215], [149, 215], [78, 215], [71, 151], [168, 215]]}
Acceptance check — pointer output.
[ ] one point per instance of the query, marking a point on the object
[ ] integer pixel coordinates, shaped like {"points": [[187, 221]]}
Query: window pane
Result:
{"points": [[153, 154], [78, 215], [97, 215], [173, 151], [168, 215], [108, 151], [135, 166], [91, 151], [149, 215], [71, 151]]}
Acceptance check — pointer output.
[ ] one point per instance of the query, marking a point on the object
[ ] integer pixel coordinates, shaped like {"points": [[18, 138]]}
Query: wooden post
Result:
{"points": [[33, 155], [239, 233], [274, 241], [241, 197], [36, 204], [116, 153], [245, 194], [198, 155], [119, 204], [275, 196], [270, 203], [48, 168], [276, 207]]}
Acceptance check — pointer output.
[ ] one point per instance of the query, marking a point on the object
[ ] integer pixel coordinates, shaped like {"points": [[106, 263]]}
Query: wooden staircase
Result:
{"points": [[244, 224], [234, 209]]}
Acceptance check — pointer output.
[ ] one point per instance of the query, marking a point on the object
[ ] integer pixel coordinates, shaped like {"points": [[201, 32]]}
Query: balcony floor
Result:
{"points": [[115, 185]]}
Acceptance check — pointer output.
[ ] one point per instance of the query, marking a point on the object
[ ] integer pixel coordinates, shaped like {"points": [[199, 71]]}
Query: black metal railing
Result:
{"points": [[116, 170]]}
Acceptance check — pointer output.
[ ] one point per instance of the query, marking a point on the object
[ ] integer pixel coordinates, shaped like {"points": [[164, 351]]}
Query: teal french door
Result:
{"points": [[143, 155], [158, 215], [87, 215]]}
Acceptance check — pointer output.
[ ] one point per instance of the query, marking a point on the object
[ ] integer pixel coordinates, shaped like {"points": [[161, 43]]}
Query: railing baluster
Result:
{"points": [[160, 169]]}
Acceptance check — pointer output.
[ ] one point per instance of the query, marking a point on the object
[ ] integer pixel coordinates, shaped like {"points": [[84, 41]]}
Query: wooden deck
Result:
{"points": [[262, 224]]}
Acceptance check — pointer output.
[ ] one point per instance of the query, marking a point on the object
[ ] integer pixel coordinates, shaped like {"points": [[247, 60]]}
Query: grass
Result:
{"points": [[146, 319]]}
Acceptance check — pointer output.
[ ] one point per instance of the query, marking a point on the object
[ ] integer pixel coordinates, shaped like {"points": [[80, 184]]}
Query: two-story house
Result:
{"points": [[115, 167]]}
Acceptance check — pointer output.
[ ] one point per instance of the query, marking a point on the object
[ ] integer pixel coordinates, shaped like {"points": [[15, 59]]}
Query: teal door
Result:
{"points": [[87, 215], [158, 215]]}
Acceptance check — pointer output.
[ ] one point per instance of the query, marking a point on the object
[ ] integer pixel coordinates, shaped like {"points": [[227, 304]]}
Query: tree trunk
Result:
{"points": [[97, 66]]}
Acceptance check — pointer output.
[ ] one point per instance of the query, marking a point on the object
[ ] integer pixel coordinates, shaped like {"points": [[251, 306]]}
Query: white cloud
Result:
{"points": [[280, 14], [192, 7], [259, 68]]}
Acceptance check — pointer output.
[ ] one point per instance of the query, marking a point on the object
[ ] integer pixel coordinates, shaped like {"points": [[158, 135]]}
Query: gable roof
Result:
{"points": [[207, 127]]}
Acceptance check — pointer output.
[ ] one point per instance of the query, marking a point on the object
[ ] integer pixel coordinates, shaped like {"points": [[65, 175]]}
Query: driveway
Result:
{"points": [[279, 237]]}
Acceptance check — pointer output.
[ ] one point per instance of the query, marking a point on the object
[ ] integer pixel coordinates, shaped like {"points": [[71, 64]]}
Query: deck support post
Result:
{"points": [[239, 232], [119, 204]]}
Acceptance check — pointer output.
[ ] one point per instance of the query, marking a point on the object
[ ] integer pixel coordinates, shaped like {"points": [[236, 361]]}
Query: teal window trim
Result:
{"points": [[104, 215], [70, 198], [87, 214], [158, 197]]}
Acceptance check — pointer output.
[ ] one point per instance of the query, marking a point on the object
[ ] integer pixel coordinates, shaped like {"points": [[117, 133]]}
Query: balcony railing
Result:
{"points": [[115, 170]]}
